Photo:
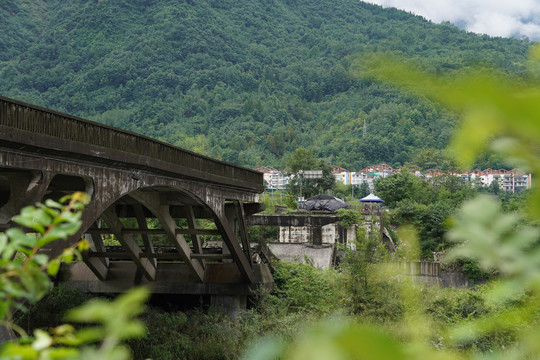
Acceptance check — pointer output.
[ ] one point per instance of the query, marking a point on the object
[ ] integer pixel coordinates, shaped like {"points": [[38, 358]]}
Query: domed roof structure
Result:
{"points": [[323, 203]]}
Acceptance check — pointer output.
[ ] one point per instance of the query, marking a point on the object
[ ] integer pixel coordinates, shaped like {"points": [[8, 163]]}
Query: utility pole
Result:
{"points": [[365, 128], [300, 176]]}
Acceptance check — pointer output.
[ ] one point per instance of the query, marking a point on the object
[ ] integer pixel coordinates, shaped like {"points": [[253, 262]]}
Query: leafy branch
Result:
{"points": [[24, 277]]}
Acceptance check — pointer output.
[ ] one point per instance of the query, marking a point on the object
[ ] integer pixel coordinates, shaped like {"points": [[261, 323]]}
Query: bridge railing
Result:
{"points": [[33, 119]]}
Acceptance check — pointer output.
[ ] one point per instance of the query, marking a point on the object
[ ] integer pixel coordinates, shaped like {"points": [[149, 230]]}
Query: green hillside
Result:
{"points": [[247, 81]]}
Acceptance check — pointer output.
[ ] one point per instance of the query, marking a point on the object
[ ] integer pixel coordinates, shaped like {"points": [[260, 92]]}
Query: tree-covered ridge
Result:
{"points": [[244, 81]]}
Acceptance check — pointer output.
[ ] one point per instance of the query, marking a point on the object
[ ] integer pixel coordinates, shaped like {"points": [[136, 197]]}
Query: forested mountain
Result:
{"points": [[247, 81]]}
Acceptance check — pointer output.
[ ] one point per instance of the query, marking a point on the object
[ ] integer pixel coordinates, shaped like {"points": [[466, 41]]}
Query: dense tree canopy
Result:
{"points": [[244, 81], [425, 203]]}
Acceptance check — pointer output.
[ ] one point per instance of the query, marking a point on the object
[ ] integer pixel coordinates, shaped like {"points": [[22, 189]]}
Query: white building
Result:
{"points": [[273, 178], [507, 180], [341, 175]]}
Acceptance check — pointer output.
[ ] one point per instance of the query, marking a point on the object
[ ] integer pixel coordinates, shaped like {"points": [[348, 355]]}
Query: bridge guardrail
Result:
{"points": [[33, 119]]}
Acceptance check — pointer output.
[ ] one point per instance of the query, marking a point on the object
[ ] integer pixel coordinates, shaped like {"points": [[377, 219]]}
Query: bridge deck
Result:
{"points": [[39, 130]]}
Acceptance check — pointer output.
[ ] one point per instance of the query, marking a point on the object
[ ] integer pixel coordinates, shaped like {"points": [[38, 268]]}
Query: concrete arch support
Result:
{"points": [[152, 202]]}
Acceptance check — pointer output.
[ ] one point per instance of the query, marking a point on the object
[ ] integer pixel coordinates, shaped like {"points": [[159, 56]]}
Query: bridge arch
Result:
{"points": [[64, 184], [166, 200], [19, 187]]}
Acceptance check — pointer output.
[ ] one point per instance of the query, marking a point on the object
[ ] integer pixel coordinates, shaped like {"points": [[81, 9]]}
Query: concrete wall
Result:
{"points": [[454, 279], [294, 234], [430, 272], [319, 256], [304, 234]]}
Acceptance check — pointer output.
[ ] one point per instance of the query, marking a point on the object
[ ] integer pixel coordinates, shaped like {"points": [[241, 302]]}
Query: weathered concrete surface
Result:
{"points": [[420, 268], [454, 279], [291, 220], [231, 305], [48, 132], [430, 272], [171, 278], [329, 234], [320, 256]]}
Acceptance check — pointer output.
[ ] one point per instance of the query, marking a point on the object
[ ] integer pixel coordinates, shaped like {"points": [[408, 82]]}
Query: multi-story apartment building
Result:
{"points": [[341, 175], [367, 175], [273, 178], [507, 180]]}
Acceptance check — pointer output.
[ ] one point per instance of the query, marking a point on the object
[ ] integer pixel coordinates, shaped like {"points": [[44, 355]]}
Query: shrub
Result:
{"points": [[303, 287]]}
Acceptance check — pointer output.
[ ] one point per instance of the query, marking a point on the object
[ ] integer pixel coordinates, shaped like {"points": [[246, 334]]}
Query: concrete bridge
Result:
{"points": [[151, 197]]}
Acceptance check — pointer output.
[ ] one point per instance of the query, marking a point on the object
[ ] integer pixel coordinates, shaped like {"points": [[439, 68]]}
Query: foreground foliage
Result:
{"points": [[286, 316], [23, 270], [24, 280]]}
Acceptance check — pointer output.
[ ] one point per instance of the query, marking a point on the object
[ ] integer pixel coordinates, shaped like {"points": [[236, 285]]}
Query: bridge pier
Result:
{"points": [[231, 305]]}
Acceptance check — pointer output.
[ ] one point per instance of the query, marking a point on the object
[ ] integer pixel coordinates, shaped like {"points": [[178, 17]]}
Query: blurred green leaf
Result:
{"points": [[20, 238], [53, 204], [513, 319], [53, 213], [496, 239], [95, 310], [266, 349], [41, 259], [3, 242], [29, 218], [4, 305], [60, 231], [53, 267], [43, 340], [17, 351], [340, 340], [24, 278], [89, 335], [115, 353], [492, 107], [60, 353]]}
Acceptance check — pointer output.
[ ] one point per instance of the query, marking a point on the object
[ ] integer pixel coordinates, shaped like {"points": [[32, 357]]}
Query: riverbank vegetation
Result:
{"points": [[304, 296]]}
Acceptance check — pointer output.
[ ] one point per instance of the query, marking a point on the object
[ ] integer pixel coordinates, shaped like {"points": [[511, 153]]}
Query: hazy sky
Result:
{"points": [[493, 17]]}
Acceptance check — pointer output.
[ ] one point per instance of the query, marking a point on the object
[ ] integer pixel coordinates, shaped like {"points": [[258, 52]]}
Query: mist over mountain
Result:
{"points": [[243, 81]]}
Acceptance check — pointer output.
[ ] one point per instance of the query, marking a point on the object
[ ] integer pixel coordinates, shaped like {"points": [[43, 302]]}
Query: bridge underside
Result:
{"points": [[144, 228], [221, 279]]}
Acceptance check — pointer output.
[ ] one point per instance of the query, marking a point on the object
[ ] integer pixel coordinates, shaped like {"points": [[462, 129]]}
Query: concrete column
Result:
{"points": [[231, 305], [342, 234], [230, 214], [316, 235]]}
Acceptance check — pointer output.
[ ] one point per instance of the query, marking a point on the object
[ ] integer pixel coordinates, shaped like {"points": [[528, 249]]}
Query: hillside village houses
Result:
{"points": [[507, 180]]}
